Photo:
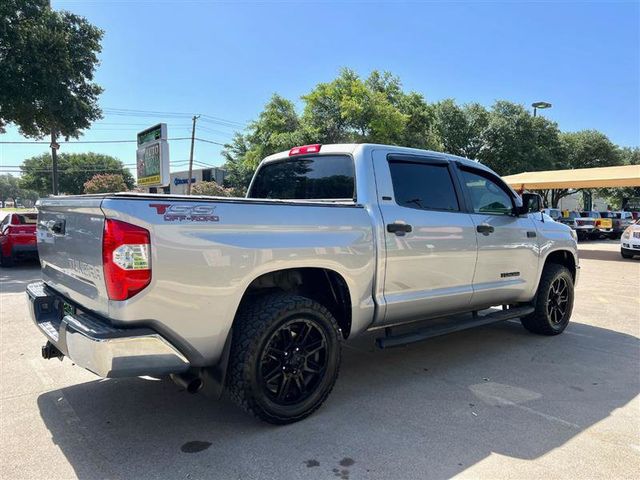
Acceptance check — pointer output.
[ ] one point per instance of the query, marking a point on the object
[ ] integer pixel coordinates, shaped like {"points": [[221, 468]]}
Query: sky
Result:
{"points": [[224, 59]]}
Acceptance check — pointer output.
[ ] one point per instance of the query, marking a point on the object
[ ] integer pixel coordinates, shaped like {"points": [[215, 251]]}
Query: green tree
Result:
{"points": [[238, 172], [105, 183], [28, 197], [349, 109], [47, 63], [616, 197], [584, 149], [277, 128], [461, 128], [210, 188], [74, 170], [515, 141], [9, 188]]}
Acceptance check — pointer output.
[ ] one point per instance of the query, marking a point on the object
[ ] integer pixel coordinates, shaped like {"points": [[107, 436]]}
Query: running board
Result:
{"points": [[450, 327]]}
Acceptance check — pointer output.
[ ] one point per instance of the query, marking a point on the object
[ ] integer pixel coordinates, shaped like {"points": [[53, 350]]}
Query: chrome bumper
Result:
{"points": [[101, 348]]}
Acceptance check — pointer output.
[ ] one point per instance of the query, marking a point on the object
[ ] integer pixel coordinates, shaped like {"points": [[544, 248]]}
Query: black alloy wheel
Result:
{"points": [[293, 362], [284, 357], [558, 300]]}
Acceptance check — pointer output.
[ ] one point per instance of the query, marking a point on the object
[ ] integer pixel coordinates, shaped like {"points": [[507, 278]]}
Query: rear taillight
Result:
{"points": [[305, 149], [126, 258]]}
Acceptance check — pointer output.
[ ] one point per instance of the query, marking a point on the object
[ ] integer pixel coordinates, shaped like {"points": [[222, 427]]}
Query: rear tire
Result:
{"points": [[553, 303], [6, 261], [284, 359]]}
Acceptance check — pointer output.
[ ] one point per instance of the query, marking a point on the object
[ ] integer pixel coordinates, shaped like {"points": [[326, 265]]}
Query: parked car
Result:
{"points": [[583, 226], [604, 225], [256, 295], [17, 238], [621, 220], [630, 240]]}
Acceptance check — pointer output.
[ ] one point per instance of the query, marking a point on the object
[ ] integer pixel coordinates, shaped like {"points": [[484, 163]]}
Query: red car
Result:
{"points": [[17, 237]]}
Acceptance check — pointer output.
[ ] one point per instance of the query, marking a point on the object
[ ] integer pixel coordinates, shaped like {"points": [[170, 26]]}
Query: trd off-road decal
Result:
{"points": [[185, 213]]}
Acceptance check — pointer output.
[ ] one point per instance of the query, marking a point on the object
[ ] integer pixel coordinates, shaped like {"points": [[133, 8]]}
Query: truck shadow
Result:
{"points": [[606, 255], [427, 410], [15, 279]]}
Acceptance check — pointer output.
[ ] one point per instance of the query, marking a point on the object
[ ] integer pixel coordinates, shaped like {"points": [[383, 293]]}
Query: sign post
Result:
{"points": [[152, 157]]}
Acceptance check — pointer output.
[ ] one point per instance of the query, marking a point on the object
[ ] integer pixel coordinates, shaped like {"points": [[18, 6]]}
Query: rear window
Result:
{"points": [[25, 218], [324, 177]]}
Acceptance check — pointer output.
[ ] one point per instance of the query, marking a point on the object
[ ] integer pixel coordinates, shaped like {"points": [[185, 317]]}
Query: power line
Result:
{"points": [[154, 113], [38, 142]]}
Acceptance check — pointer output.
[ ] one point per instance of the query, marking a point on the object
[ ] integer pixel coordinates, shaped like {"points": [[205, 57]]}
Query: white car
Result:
{"points": [[630, 241]]}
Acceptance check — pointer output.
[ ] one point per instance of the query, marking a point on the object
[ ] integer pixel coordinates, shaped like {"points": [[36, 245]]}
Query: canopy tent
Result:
{"points": [[624, 176]]}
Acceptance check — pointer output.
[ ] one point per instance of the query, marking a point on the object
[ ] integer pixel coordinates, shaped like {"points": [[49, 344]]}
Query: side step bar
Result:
{"points": [[450, 327]]}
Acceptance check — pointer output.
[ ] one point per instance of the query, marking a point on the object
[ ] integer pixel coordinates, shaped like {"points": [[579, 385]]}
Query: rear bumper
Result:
{"points": [[30, 249], [94, 344]]}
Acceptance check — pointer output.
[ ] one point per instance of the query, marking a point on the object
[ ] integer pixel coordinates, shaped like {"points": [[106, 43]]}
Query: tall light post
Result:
{"points": [[539, 105]]}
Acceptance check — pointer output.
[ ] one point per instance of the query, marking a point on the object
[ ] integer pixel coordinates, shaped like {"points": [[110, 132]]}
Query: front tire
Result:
{"points": [[626, 253], [553, 303], [285, 357]]}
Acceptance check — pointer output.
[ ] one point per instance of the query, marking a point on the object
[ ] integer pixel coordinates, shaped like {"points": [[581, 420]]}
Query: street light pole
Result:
{"points": [[539, 105]]}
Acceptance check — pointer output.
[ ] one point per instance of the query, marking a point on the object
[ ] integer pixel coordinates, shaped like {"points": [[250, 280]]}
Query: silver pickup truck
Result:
{"points": [[256, 295]]}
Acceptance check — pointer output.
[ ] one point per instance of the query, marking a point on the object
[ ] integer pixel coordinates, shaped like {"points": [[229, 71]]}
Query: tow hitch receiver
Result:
{"points": [[50, 351]]}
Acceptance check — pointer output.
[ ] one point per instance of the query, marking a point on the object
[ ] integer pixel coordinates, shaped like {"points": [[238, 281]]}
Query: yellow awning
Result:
{"points": [[624, 176]]}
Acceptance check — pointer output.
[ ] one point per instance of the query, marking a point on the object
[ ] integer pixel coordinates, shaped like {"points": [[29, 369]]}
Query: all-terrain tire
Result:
{"points": [[549, 317], [257, 324]]}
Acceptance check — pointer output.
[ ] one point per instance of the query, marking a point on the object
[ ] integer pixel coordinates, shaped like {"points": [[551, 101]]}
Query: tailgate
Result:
{"points": [[69, 234]]}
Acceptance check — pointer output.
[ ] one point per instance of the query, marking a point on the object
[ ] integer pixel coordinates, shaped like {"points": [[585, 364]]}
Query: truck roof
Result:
{"points": [[350, 148]]}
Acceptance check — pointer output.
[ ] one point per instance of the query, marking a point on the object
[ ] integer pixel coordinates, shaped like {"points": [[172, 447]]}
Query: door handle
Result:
{"points": [[485, 229], [399, 228]]}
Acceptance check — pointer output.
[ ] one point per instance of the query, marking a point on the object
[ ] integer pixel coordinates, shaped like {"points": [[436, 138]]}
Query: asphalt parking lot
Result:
{"points": [[496, 402]]}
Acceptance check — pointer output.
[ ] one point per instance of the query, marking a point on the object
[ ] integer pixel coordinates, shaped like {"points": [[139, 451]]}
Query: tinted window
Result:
{"points": [[486, 195], [321, 177], [27, 219], [420, 185]]}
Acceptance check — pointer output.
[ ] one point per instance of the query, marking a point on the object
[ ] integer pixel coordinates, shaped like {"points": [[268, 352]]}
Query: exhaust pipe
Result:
{"points": [[50, 351], [191, 382]]}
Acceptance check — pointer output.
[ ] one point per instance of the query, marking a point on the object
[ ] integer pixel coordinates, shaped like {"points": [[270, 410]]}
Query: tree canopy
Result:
{"points": [[10, 190], [74, 170], [47, 63], [210, 188], [105, 183], [505, 137]]}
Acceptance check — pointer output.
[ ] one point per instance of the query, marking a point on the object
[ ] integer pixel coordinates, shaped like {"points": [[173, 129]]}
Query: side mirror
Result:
{"points": [[531, 202]]}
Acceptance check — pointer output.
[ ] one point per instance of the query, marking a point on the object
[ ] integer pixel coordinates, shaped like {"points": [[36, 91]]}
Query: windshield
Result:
{"points": [[326, 177]]}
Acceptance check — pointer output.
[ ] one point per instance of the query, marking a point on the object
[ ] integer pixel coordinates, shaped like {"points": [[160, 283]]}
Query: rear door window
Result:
{"points": [[423, 186], [322, 177]]}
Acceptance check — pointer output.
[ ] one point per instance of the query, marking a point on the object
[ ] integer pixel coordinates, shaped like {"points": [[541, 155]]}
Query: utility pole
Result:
{"points": [[54, 164], [193, 138]]}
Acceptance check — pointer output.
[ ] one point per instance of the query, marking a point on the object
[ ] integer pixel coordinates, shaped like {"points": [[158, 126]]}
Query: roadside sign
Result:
{"points": [[152, 157]]}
